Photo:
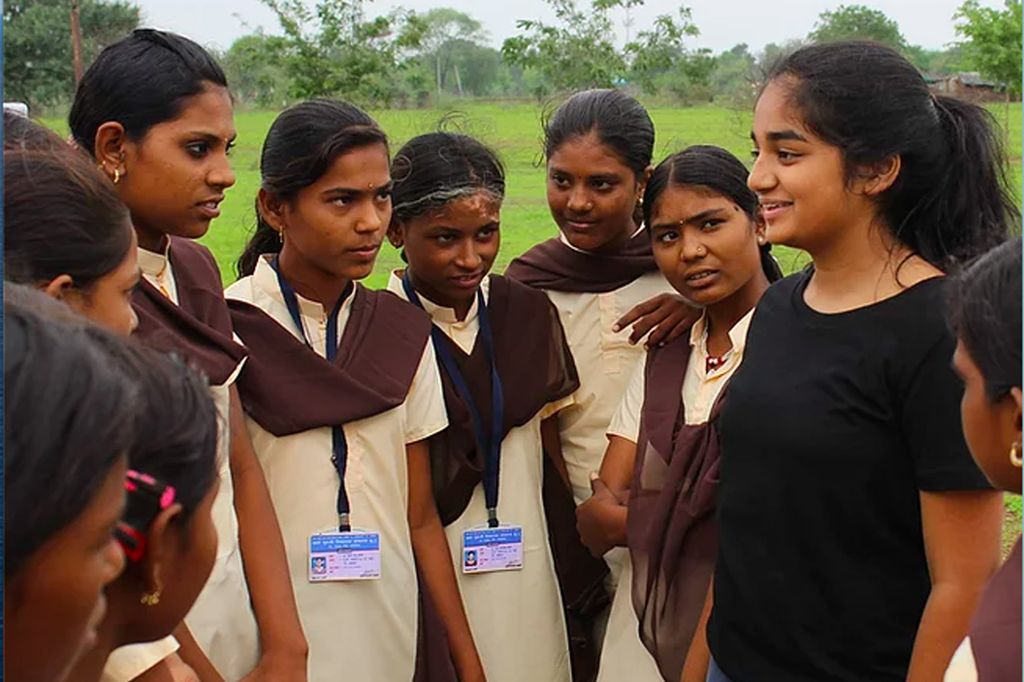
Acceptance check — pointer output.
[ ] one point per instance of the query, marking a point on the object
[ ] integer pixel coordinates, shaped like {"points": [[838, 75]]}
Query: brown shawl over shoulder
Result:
{"points": [[288, 388], [199, 328], [996, 628], [536, 368], [671, 530], [554, 265]]}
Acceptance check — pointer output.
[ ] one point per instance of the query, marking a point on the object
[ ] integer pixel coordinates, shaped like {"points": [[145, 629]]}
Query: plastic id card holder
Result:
{"points": [[335, 556], [492, 549]]}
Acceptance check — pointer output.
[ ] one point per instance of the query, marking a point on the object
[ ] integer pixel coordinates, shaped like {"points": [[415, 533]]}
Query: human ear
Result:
{"points": [[109, 149], [58, 287], [644, 179], [396, 233], [161, 547], [1015, 395], [880, 177], [271, 209]]}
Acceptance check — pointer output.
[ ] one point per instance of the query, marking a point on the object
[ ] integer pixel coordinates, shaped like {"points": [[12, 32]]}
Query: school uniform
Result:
{"points": [[128, 662], [991, 652], [383, 390], [516, 616], [591, 292], [181, 309], [669, 410]]}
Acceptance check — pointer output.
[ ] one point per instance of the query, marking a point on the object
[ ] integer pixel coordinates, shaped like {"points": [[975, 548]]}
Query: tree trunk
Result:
{"points": [[76, 43], [458, 80]]}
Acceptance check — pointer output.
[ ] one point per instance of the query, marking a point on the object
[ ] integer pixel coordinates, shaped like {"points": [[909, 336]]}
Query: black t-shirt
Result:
{"points": [[834, 424]]}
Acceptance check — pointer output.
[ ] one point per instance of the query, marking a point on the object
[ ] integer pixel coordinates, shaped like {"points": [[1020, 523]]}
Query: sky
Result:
{"points": [[722, 23]]}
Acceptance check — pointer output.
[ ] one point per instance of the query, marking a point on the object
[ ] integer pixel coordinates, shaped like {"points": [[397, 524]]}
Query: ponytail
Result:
{"points": [[264, 240], [771, 267], [970, 209], [950, 201]]}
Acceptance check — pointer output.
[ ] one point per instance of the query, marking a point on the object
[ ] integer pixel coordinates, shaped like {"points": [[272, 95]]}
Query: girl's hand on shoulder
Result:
{"points": [[666, 317]]}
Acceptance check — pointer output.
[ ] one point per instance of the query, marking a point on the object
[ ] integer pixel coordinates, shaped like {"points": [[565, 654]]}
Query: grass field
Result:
{"points": [[514, 131]]}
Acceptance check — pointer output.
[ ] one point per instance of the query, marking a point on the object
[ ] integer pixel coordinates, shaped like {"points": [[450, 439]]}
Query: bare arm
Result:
{"points": [[601, 520], [698, 659], [193, 656], [961, 537], [430, 545], [171, 669], [666, 317], [282, 642]]}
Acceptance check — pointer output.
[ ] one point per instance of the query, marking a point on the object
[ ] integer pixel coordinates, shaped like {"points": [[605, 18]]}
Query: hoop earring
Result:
{"points": [[150, 598], [1015, 457]]}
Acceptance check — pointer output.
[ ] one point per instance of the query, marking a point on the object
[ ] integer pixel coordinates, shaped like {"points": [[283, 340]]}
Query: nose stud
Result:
{"points": [[701, 251]]}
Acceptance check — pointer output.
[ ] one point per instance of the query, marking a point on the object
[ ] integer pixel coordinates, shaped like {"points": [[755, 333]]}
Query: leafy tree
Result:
{"points": [[857, 22], [733, 79], [37, 44], [256, 69], [939, 62], [992, 44], [336, 51], [662, 50], [446, 33], [576, 53]]}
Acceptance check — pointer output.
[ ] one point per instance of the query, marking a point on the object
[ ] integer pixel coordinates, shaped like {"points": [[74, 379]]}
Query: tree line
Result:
{"points": [[402, 58]]}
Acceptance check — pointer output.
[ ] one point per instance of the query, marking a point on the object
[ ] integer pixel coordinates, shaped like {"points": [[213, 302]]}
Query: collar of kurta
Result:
{"points": [[670, 526], [198, 327], [289, 388], [556, 266], [536, 368]]}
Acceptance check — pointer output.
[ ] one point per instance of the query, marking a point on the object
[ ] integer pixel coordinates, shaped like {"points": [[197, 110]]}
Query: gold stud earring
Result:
{"points": [[1015, 457], [150, 598]]}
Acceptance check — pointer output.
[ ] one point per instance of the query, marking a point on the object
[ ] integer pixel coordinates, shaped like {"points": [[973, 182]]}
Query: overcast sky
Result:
{"points": [[722, 23]]}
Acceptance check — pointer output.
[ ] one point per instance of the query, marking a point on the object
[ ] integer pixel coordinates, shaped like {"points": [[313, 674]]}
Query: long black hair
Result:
{"points": [[433, 169], [301, 145], [985, 313], [951, 201], [620, 122], [61, 216], [140, 81], [70, 411], [717, 170]]}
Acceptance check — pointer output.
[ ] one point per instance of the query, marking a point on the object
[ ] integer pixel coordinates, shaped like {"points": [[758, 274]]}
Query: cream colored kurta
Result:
{"points": [[128, 662], [221, 621], [516, 616], [623, 655], [359, 630], [962, 667]]}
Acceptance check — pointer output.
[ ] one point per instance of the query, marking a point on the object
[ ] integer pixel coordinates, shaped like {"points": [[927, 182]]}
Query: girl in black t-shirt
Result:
{"points": [[856, 530]]}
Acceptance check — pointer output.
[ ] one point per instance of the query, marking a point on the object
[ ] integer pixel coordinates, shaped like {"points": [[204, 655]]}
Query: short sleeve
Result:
{"points": [[626, 420], [128, 662], [425, 413], [932, 426]]}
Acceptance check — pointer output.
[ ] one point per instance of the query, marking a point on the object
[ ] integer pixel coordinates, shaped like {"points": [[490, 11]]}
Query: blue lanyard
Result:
{"points": [[492, 454], [339, 446]]}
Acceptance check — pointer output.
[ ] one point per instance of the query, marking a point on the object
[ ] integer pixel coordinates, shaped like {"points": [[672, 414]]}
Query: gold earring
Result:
{"points": [[1015, 457], [117, 175], [150, 598]]}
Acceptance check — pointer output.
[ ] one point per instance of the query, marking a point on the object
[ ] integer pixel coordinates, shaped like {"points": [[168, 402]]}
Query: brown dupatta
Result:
{"points": [[288, 388], [556, 266], [671, 530], [536, 368], [996, 627], [199, 328]]}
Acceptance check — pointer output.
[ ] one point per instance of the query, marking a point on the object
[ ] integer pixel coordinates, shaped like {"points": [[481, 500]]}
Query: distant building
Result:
{"points": [[967, 85]]}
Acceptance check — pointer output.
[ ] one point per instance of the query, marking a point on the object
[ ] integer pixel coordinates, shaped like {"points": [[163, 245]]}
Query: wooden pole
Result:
{"points": [[76, 43]]}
